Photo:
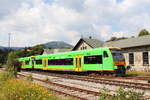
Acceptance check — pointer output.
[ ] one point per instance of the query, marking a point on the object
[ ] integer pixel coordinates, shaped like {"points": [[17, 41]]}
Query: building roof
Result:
{"points": [[52, 51], [93, 43], [131, 42]]}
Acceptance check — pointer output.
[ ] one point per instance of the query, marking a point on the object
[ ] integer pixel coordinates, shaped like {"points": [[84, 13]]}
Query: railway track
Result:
{"points": [[109, 82], [135, 85], [75, 92]]}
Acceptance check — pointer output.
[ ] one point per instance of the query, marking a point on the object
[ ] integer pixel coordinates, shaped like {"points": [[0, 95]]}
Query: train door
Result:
{"points": [[32, 62], [78, 64], [106, 61], [44, 63]]}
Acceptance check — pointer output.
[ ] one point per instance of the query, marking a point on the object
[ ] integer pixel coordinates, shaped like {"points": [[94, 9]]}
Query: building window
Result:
{"points": [[145, 58], [97, 59], [38, 62], [68, 61], [131, 58]]}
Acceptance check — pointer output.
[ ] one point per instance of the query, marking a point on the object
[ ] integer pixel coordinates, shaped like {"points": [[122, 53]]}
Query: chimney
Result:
{"points": [[90, 37]]}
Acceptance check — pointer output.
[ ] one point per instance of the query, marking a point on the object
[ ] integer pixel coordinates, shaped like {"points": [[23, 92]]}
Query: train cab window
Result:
{"points": [[38, 62], [96, 59], [26, 62], [105, 54]]}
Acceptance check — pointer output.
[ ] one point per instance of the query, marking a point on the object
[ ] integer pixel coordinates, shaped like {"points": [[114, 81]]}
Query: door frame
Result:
{"points": [[78, 63], [44, 61], [32, 62]]}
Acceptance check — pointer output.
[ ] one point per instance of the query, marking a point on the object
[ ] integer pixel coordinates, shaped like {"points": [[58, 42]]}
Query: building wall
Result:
{"points": [[138, 58], [83, 46]]}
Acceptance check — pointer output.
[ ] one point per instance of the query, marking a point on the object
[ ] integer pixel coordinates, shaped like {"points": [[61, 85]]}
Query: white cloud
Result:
{"points": [[34, 21]]}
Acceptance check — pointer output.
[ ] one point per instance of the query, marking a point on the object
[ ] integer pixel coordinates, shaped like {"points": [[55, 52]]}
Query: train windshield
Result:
{"points": [[117, 55]]}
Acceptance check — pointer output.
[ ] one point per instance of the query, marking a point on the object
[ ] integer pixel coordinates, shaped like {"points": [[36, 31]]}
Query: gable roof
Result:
{"points": [[131, 42], [51, 51], [93, 43]]}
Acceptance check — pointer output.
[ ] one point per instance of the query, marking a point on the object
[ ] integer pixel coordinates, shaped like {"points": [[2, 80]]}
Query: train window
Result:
{"points": [[68, 61], [145, 58], [38, 62], [105, 54], [26, 62], [97, 59]]}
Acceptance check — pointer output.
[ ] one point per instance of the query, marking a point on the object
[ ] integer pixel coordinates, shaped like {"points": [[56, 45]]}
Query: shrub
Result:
{"points": [[30, 78], [46, 79], [122, 94], [104, 94], [148, 81]]}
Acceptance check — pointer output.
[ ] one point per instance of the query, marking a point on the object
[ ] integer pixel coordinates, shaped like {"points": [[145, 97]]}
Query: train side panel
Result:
{"points": [[92, 60], [59, 62]]}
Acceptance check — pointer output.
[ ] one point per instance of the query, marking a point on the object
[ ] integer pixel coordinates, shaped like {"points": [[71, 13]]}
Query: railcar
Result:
{"points": [[106, 59]]}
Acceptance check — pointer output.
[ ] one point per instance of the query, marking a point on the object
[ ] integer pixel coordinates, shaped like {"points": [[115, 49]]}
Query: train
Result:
{"points": [[102, 60]]}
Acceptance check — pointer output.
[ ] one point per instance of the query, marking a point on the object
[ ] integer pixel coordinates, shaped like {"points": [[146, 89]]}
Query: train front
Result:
{"points": [[119, 61]]}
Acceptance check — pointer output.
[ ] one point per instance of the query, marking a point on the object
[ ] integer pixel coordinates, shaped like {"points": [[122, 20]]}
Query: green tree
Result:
{"points": [[143, 32], [12, 63], [12, 60], [36, 50]]}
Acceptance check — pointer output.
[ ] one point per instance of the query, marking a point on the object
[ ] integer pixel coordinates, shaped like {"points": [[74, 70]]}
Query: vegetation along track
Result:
{"points": [[79, 93], [141, 86]]}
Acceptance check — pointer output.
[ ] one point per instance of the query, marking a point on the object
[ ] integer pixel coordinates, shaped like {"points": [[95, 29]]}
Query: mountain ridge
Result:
{"points": [[51, 44]]}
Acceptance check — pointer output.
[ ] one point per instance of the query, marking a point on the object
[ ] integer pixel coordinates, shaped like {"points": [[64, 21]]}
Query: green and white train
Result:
{"points": [[106, 59]]}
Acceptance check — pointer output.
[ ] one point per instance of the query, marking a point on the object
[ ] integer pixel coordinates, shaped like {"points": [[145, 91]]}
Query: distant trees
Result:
{"points": [[9, 56], [35, 50], [3, 56], [143, 32], [64, 47], [116, 38]]}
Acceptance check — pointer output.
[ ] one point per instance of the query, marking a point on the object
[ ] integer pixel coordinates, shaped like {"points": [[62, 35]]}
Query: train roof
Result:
{"points": [[71, 52]]}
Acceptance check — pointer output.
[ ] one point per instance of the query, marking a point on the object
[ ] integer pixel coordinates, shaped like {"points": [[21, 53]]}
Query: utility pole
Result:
{"points": [[81, 35], [9, 34]]}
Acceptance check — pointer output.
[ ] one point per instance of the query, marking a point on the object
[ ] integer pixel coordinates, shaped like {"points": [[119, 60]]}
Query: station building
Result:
{"points": [[136, 50]]}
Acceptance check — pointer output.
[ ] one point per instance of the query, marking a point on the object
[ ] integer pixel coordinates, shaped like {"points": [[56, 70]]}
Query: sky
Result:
{"points": [[32, 22]]}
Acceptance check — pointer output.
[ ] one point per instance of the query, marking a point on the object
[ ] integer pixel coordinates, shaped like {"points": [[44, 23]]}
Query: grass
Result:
{"points": [[14, 89], [137, 73]]}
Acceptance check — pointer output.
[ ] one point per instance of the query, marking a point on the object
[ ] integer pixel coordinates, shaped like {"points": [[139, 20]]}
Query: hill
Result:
{"points": [[57, 44]]}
